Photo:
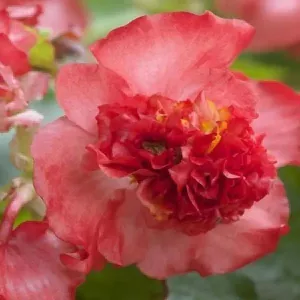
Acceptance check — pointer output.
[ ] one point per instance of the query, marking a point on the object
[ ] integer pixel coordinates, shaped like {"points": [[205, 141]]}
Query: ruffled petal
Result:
{"points": [[75, 198], [278, 107], [229, 247], [153, 53], [82, 88], [31, 267]]}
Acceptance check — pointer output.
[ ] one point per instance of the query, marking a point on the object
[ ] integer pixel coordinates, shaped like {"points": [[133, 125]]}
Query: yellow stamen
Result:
{"points": [[224, 114], [207, 126], [158, 210], [214, 143], [185, 122], [160, 117], [132, 179]]}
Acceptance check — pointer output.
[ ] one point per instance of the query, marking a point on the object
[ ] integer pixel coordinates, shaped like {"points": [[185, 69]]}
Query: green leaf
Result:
{"points": [[105, 23], [7, 170], [42, 55], [114, 283], [274, 277], [258, 70], [159, 6], [23, 216], [275, 65], [229, 287]]}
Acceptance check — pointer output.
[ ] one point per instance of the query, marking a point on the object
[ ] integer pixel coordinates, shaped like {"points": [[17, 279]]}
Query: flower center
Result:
{"points": [[155, 148], [196, 165]]}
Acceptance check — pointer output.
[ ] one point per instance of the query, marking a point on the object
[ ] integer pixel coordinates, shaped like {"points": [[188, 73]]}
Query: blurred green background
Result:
{"points": [[275, 277]]}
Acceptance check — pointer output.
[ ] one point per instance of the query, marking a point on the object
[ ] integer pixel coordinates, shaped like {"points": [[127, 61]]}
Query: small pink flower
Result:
{"points": [[161, 159], [59, 17], [15, 43], [276, 21], [14, 98], [31, 257]]}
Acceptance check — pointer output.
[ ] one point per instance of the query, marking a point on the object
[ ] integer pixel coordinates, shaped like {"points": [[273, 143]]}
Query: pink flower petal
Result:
{"points": [[35, 85], [27, 14], [21, 37], [63, 17], [229, 247], [26, 118], [154, 53], [11, 56], [31, 267], [279, 119], [225, 89], [274, 20], [82, 88], [75, 198]]}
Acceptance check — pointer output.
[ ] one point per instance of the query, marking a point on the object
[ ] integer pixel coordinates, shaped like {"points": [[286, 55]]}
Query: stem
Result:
{"points": [[19, 198]]}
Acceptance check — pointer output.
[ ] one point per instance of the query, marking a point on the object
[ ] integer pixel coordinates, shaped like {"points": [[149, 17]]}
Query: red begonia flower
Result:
{"points": [[59, 17], [30, 256], [158, 158], [275, 21]]}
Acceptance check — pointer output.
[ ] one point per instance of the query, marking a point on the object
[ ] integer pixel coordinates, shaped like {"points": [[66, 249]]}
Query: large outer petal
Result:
{"points": [[31, 267], [82, 88], [125, 238], [154, 53], [278, 107], [75, 198]]}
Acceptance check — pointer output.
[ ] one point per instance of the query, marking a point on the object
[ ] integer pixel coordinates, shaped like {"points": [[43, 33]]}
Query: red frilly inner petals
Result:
{"points": [[279, 102], [194, 167], [31, 266], [82, 88], [155, 52], [76, 199], [231, 246]]}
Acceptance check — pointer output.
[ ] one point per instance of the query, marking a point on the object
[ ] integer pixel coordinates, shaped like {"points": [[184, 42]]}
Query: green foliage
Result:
{"points": [[121, 283], [42, 55]]}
